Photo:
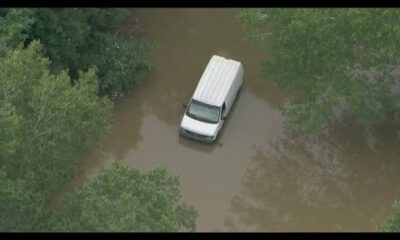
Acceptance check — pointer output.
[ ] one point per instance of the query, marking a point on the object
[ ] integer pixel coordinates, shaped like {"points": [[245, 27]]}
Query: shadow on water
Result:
{"points": [[341, 182]]}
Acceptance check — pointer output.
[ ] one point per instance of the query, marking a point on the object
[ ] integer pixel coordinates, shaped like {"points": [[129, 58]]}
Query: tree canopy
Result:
{"points": [[333, 62], [23, 209], [82, 38], [125, 199], [58, 69], [47, 121]]}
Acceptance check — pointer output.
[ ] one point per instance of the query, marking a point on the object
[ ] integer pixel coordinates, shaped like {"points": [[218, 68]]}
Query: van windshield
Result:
{"points": [[203, 112]]}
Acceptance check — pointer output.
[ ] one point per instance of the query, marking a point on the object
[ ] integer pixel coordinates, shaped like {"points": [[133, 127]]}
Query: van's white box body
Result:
{"points": [[212, 99]]}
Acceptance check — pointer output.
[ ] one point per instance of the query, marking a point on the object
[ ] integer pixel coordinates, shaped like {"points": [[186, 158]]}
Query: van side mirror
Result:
{"points": [[184, 106]]}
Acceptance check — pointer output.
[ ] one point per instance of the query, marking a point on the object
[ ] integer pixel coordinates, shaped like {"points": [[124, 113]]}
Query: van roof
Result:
{"points": [[216, 80]]}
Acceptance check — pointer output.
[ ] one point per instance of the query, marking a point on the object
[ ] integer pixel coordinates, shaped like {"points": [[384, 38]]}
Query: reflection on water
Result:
{"points": [[258, 177], [327, 183]]}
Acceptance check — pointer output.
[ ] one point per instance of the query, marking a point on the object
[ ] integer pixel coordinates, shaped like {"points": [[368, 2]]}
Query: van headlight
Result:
{"points": [[210, 137]]}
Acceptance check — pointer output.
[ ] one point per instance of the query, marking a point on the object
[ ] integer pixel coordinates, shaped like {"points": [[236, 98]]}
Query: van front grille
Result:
{"points": [[195, 134]]}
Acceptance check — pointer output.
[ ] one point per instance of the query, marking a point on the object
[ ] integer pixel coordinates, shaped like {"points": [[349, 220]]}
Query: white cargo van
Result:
{"points": [[212, 100]]}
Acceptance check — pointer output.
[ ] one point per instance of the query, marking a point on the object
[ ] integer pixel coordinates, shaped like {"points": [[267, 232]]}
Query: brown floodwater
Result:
{"points": [[258, 177]]}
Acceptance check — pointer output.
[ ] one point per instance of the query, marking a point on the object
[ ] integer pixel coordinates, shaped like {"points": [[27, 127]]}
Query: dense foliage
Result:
{"points": [[81, 38], [48, 121], [23, 209], [121, 199], [76, 39], [58, 68], [335, 62]]}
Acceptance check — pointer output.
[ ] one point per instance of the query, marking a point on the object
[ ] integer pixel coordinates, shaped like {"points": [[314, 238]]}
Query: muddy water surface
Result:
{"points": [[258, 177]]}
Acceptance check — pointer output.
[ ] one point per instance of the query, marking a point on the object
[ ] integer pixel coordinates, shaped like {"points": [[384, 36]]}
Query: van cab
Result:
{"points": [[212, 100]]}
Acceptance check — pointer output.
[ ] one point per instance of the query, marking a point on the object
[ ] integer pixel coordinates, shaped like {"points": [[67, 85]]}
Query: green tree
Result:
{"points": [[81, 38], [392, 224], [127, 200], [10, 132], [66, 33], [21, 209], [333, 62], [14, 26], [45, 121], [121, 64]]}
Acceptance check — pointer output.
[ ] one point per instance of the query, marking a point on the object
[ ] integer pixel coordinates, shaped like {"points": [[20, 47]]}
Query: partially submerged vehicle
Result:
{"points": [[212, 100]]}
